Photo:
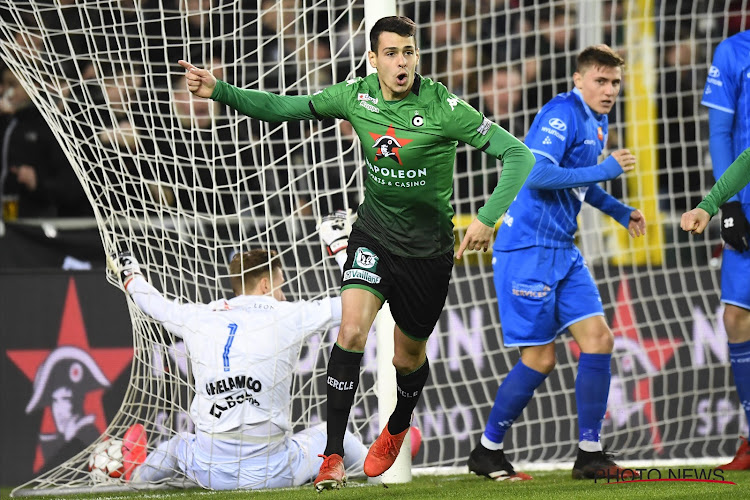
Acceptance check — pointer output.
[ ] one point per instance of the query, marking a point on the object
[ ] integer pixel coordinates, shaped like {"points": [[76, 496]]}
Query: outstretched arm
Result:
{"points": [[146, 297], [253, 103], [736, 177], [548, 175], [517, 163]]}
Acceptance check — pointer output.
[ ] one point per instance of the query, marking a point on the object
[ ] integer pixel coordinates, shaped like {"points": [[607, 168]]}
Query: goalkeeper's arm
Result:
{"points": [[253, 103], [334, 230], [146, 297]]}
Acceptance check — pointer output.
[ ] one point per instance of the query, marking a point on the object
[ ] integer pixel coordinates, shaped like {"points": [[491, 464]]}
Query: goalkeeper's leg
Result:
{"points": [[161, 463]]}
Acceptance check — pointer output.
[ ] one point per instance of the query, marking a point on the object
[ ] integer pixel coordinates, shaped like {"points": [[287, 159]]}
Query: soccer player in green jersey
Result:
{"points": [[401, 246], [731, 182]]}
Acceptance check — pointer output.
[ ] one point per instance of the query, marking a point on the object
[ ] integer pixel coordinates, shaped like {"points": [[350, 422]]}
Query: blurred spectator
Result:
{"points": [[681, 179], [462, 72], [333, 154], [501, 30], [350, 48], [550, 53], [445, 31], [613, 23], [191, 28], [131, 29], [737, 16], [276, 60], [197, 163], [33, 167], [502, 99], [65, 36]]}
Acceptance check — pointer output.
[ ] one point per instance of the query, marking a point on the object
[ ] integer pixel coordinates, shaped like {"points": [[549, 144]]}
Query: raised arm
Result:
{"points": [[253, 103], [148, 299]]}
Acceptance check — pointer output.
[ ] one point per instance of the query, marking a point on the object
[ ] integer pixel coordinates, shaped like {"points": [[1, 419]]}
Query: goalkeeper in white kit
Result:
{"points": [[242, 353]]}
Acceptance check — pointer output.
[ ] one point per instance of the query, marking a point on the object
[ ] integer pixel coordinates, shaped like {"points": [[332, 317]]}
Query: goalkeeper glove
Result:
{"points": [[334, 230], [126, 267], [734, 226]]}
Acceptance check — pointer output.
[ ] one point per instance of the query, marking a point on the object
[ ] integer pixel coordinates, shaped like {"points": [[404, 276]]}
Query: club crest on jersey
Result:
{"points": [[417, 121], [600, 133], [387, 145], [364, 258]]}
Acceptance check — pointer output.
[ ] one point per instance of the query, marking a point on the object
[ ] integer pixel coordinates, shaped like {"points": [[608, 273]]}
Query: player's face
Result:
{"points": [[599, 86], [396, 62]]}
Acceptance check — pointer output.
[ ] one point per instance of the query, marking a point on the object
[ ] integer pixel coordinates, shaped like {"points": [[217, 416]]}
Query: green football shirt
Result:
{"points": [[410, 150]]}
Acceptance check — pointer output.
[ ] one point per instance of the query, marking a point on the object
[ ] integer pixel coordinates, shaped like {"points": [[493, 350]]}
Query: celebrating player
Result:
{"points": [[542, 282], [728, 98], [242, 353], [401, 247]]}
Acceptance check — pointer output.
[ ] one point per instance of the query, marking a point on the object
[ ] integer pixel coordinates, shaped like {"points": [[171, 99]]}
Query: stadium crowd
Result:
{"points": [[505, 57]]}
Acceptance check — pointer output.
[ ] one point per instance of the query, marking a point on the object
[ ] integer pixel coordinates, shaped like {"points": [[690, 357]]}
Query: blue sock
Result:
{"points": [[512, 397], [739, 356], [592, 391]]}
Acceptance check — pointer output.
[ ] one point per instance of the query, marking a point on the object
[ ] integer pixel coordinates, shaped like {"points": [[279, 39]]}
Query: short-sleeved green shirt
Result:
{"points": [[410, 150]]}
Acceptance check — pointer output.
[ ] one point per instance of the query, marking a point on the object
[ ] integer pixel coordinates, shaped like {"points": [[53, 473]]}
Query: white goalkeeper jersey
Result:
{"points": [[243, 352]]}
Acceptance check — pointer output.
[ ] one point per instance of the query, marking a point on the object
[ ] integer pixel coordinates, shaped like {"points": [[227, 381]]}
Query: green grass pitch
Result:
{"points": [[547, 485]]}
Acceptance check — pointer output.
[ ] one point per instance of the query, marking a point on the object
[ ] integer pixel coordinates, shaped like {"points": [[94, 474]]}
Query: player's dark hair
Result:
{"points": [[599, 56], [400, 25], [247, 268]]}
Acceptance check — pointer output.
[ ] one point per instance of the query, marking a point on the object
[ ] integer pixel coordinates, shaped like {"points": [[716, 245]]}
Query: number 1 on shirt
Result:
{"points": [[228, 345]]}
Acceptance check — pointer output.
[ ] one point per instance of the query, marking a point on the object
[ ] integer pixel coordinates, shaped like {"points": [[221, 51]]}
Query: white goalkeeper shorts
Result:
{"points": [[292, 462]]}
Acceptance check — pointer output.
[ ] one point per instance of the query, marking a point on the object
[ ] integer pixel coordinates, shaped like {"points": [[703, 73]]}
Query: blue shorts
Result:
{"points": [[541, 291], [735, 275]]}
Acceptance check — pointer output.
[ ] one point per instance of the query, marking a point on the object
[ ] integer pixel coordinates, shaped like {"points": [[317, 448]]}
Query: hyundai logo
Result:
{"points": [[558, 124]]}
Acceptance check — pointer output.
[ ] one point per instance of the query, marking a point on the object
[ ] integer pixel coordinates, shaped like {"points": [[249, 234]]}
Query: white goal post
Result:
{"points": [[184, 183]]}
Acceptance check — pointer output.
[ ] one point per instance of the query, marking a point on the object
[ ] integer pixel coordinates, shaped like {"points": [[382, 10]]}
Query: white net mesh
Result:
{"points": [[184, 183]]}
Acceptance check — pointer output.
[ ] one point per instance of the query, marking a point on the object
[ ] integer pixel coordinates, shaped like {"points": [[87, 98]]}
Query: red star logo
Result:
{"points": [[658, 352], [388, 144], [112, 362]]}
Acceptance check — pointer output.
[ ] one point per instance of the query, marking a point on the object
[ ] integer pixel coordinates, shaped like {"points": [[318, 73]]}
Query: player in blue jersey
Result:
{"points": [[542, 282], [727, 97]]}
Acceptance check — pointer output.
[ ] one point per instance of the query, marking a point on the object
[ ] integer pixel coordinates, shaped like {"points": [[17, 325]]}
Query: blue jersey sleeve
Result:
{"points": [[722, 85], [552, 132], [720, 134], [546, 175], [597, 197]]}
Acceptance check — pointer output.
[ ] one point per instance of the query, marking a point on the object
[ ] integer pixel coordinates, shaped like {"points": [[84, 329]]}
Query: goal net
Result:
{"points": [[184, 183]]}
